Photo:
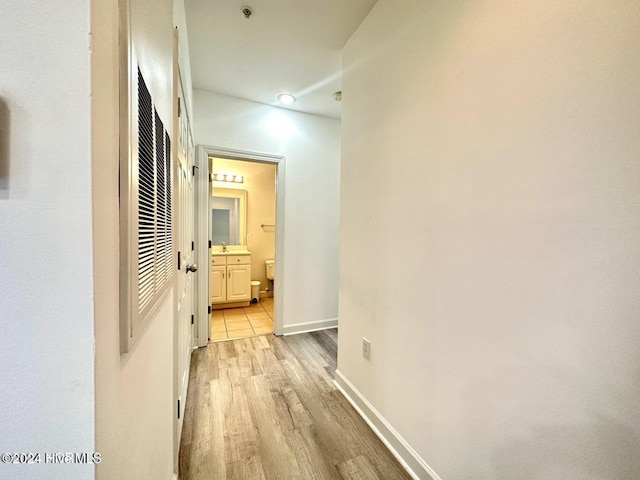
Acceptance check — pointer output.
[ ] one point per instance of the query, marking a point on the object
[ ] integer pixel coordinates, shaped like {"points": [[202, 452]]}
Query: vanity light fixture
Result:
{"points": [[286, 99], [227, 177]]}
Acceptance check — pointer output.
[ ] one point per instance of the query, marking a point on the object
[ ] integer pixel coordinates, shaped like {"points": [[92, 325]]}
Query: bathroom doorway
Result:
{"points": [[243, 221], [241, 213]]}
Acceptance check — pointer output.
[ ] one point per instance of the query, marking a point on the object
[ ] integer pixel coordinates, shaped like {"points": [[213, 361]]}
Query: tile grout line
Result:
{"points": [[245, 315]]}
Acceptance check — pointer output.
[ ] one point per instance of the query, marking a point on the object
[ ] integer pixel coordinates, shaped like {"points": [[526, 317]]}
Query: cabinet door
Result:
{"points": [[218, 284], [238, 283]]}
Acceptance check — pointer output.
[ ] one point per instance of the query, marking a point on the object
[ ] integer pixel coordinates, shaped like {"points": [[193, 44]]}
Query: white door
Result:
{"points": [[187, 270], [186, 276]]}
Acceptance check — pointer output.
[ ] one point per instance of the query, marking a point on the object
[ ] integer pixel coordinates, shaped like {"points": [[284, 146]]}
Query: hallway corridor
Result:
{"points": [[266, 408]]}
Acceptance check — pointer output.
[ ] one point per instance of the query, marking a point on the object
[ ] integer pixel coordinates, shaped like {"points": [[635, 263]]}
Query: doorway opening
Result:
{"points": [[243, 220], [240, 217]]}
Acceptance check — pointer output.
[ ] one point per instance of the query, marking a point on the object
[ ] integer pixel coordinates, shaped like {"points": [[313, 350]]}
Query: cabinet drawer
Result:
{"points": [[238, 259], [218, 260]]}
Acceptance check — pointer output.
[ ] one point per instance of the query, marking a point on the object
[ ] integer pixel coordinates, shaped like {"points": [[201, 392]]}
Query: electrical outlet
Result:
{"points": [[366, 348]]}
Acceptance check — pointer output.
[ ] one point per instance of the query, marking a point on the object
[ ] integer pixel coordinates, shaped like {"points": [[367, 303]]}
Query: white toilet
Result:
{"points": [[270, 267]]}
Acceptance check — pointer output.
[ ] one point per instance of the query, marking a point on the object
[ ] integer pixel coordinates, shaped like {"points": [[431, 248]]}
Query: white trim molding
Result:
{"points": [[314, 326], [202, 253], [415, 466]]}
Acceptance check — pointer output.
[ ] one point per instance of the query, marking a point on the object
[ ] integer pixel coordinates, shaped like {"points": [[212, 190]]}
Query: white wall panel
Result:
{"points": [[489, 226]]}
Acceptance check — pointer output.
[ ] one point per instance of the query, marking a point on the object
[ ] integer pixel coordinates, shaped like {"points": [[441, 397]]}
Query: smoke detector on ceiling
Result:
{"points": [[247, 12]]}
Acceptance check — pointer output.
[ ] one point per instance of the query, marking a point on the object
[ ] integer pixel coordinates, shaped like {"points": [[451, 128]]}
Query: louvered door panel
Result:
{"points": [[161, 203], [146, 197], [168, 234]]}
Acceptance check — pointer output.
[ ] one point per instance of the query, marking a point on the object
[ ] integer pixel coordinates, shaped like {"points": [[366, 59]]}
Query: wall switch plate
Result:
{"points": [[366, 348], [248, 237]]}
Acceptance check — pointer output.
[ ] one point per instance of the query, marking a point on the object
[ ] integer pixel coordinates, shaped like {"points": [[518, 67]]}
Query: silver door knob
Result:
{"points": [[192, 268]]}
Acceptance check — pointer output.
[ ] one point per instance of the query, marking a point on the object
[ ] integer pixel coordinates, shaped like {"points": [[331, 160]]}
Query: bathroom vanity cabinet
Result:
{"points": [[230, 278]]}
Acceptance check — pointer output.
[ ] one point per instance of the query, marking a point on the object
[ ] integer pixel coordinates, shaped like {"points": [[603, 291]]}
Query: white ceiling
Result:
{"points": [[286, 46]]}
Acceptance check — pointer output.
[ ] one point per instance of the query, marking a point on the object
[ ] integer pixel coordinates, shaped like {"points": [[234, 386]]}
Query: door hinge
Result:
{"points": [[193, 319], [179, 108], [209, 243], [178, 260], [193, 169], [178, 409], [209, 309], [193, 245]]}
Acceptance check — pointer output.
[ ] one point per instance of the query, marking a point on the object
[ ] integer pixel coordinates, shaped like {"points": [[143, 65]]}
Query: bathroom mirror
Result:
{"points": [[228, 216]]}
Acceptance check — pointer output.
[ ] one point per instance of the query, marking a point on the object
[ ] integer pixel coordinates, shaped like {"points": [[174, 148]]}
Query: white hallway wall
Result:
{"points": [[311, 145], [52, 123], [46, 306], [505, 340]]}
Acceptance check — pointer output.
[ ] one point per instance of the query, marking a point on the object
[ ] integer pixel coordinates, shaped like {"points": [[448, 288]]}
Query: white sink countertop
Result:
{"points": [[231, 252]]}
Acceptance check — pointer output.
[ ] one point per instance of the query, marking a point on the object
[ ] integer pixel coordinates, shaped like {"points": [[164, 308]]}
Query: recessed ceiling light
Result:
{"points": [[286, 99]]}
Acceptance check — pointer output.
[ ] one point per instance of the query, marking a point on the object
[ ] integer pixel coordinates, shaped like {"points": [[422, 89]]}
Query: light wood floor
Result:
{"points": [[266, 408]]}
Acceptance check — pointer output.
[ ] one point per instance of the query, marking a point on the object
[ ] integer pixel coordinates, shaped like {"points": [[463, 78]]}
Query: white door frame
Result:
{"points": [[203, 237]]}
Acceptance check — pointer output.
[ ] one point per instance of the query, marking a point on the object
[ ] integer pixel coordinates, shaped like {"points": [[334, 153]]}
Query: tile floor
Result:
{"points": [[232, 323]]}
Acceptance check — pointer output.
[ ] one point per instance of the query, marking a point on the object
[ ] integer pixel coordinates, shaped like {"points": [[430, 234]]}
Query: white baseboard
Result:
{"points": [[309, 326], [415, 466], [174, 477]]}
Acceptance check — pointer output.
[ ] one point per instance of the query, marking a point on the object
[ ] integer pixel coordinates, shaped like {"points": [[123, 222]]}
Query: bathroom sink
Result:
{"points": [[232, 252]]}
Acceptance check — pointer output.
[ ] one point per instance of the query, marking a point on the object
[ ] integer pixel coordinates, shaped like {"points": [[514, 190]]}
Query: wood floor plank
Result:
{"points": [[240, 436], [358, 468], [339, 444], [260, 342], [306, 350], [314, 464], [328, 345], [277, 457], [205, 452], [215, 441], [371, 446], [277, 388], [246, 469], [266, 408], [299, 414], [225, 350]]}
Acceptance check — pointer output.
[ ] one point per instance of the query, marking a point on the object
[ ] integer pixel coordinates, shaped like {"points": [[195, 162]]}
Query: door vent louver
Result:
{"points": [[146, 197], [146, 178], [154, 201]]}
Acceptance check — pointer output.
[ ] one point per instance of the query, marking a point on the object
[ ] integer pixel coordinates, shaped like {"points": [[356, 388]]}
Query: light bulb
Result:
{"points": [[286, 99]]}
